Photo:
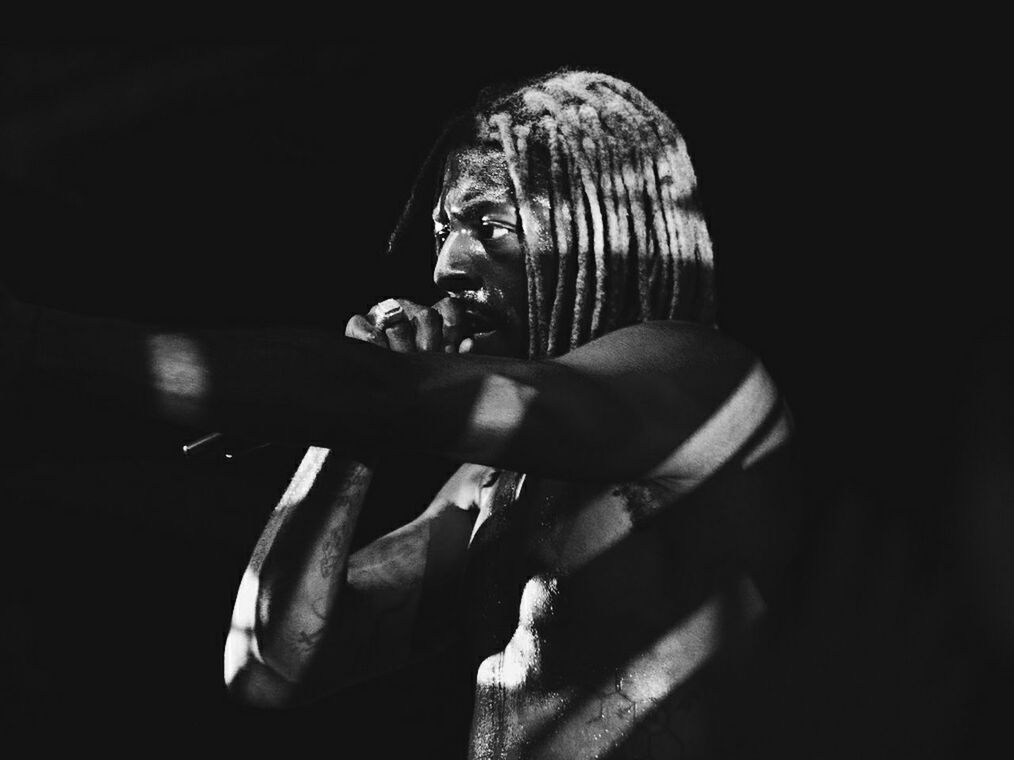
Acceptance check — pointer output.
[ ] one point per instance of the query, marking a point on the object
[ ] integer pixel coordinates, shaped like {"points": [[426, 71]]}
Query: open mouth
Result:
{"points": [[480, 322], [487, 331]]}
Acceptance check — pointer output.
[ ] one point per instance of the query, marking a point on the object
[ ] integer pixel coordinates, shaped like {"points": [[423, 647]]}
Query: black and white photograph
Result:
{"points": [[449, 398]]}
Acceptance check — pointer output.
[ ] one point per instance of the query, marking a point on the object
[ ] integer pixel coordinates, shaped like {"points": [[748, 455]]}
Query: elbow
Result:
{"points": [[257, 673], [249, 680], [259, 686]]}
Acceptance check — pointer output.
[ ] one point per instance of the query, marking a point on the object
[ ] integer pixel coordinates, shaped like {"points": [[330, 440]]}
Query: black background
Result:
{"points": [[247, 185]]}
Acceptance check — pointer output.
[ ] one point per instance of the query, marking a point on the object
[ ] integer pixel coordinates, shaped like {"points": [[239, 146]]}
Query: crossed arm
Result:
{"points": [[308, 619], [613, 410], [302, 629], [639, 402]]}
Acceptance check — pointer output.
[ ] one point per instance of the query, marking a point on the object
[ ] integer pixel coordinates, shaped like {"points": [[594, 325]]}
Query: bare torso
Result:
{"points": [[591, 606], [593, 596]]}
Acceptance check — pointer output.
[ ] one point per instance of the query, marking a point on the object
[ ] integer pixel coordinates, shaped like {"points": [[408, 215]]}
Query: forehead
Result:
{"points": [[473, 176]]}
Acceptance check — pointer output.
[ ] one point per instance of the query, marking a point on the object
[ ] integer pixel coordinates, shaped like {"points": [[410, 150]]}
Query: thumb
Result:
{"points": [[453, 315]]}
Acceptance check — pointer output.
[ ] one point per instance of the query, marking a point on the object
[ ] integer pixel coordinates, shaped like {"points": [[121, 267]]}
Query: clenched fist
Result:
{"points": [[440, 327]]}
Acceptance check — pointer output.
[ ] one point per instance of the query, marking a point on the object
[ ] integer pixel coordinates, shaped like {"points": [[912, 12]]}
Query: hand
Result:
{"points": [[440, 327]]}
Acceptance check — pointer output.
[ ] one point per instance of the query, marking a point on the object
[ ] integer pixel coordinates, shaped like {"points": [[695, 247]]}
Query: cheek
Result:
{"points": [[516, 290]]}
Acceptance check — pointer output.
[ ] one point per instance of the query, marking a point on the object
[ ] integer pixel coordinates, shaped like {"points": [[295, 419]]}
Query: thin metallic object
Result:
{"points": [[201, 443]]}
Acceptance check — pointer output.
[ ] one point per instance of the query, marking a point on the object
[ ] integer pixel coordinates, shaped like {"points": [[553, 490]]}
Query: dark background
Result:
{"points": [[248, 185]]}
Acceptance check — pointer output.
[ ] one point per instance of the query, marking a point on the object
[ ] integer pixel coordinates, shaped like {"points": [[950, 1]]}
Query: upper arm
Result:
{"points": [[659, 399], [695, 398], [690, 392], [615, 409]]}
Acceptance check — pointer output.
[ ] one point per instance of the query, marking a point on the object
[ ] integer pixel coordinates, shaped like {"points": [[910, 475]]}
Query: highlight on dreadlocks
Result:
{"points": [[627, 242]]}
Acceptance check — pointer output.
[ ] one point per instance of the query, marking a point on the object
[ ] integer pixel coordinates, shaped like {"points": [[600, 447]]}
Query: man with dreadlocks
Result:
{"points": [[611, 524]]}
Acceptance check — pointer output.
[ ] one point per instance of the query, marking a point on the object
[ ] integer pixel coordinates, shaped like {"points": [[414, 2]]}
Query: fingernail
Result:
{"points": [[466, 346]]}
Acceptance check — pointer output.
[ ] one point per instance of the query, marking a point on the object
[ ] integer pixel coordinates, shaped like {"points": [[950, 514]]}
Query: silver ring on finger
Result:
{"points": [[388, 312]]}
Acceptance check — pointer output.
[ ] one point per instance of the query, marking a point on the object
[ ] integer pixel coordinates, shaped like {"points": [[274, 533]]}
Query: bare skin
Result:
{"points": [[588, 589], [591, 592]]}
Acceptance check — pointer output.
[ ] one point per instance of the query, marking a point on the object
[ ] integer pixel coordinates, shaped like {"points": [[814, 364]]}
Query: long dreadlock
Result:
{"points": [[630, 243]]}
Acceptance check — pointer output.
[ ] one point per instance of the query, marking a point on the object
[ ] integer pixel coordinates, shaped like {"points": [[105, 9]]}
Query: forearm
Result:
{"points": [[310, 619], [308, 386], [299, 385], [611, 410], [295, 576]]}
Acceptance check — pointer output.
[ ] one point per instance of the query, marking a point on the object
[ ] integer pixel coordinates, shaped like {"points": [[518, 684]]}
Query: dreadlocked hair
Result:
{"points": [[627, 241]]}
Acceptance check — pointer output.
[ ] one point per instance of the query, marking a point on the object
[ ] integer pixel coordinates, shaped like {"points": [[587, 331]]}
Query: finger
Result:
{"points": [[401, 337], [360, 328], [412, 309], [453, 316], [429, 330], [408, 307]]}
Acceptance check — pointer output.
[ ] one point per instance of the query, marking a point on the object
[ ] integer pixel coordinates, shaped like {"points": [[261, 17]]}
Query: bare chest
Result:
{"points": [[590, 606], [536, 528]]}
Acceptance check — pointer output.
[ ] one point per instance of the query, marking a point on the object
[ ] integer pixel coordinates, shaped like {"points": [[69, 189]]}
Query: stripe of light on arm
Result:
{"points": [[179, 370], [499, 410], [725, 433]]}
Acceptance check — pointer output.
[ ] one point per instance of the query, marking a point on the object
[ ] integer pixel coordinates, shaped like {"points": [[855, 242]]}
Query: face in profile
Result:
{"points": [[480, 260]]}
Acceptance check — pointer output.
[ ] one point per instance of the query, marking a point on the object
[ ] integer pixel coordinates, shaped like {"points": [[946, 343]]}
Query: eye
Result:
{"points": [[440, 232], [491, 229]]}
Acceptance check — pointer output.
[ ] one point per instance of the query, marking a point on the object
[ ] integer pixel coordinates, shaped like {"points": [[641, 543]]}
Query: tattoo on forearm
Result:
{"points": [[335, 545], [333, 551], [308, 639]]}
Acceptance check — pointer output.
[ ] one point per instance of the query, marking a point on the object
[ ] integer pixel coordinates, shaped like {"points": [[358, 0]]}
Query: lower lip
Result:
{"points": [[486, 328], [486, 341]]}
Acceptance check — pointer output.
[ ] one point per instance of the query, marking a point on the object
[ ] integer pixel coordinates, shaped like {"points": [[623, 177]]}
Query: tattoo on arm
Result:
{"points": [[307, 640], [658, 723], [333, 552], [334, 548]]}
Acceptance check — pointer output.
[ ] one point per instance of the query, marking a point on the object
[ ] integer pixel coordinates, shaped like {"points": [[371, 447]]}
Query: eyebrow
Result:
{"points": [[473, 209]]}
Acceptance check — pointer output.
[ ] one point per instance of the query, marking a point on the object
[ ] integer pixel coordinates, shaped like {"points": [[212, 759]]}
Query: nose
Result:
{"points": [[458, 266]]}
